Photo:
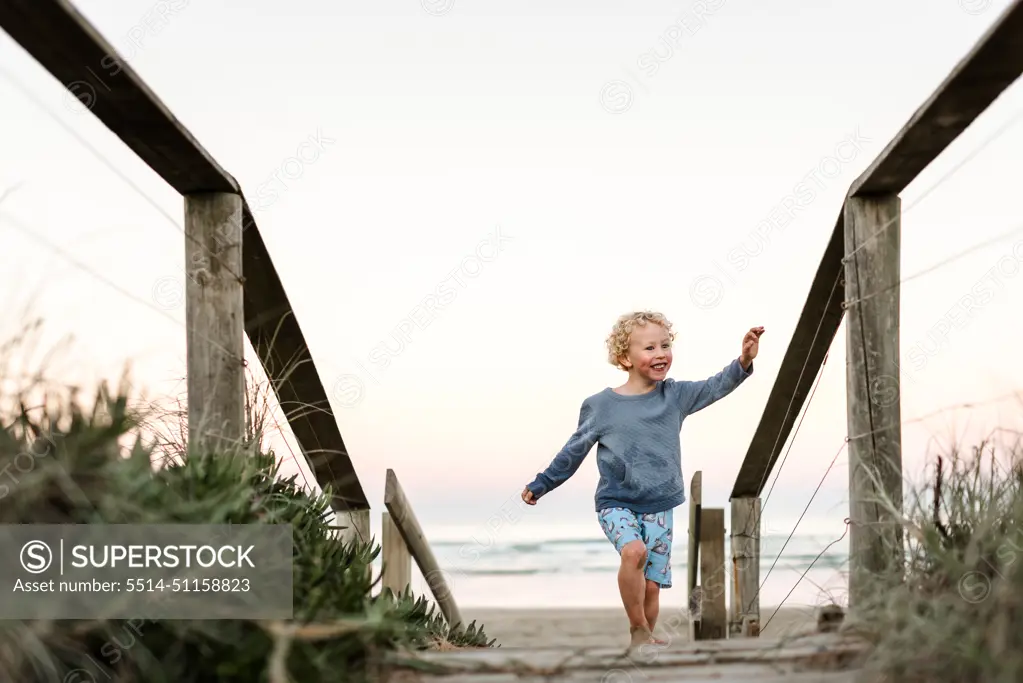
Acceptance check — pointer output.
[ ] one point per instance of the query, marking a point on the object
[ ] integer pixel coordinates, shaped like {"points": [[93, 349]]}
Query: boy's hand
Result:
{"points": [[528, 497], [750, 346]]}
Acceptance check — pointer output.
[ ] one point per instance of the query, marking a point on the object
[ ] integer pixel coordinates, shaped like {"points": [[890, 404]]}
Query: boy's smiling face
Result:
{"points": [[649, 353]]}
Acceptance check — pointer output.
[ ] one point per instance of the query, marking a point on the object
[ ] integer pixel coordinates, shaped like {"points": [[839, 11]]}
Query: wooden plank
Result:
{"points": [[678, 651], [823, 655], [816, 329], [872, 384], [214, 322], [993, 64], [408, 526], [396, 558], [89, 67], [694, 592], [753, 673], [281, 347], [744, 616], [57, 36], [713, 618], [695, 501], [695, 611]]}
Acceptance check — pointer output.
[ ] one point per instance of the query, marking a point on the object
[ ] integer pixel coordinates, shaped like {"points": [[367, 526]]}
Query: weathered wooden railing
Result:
{"points": [[403, 540], [860, 272], [232, 287]]}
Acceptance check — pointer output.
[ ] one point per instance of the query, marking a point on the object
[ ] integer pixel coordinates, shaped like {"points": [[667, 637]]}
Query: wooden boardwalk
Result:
{"points": [[823, 658]]}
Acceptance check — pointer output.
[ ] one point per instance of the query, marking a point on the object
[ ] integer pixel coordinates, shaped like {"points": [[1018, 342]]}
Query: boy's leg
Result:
{"points": [[632, 584], [652, 602], [622, 528], [657, 531]]}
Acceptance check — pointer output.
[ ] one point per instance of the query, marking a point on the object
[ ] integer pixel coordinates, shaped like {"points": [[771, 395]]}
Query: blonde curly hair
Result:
{"points": [[621, 333]]}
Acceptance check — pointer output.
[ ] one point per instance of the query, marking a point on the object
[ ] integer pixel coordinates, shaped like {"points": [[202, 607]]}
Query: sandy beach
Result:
{"points": [[603, 627]]}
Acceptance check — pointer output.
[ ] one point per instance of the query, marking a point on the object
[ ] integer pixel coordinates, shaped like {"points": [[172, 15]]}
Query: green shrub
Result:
{"points": [[66, 465]]}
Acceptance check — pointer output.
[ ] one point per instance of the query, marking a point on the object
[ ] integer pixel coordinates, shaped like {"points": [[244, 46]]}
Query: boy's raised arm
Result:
{"points": [[695, 396], [568, 459]]}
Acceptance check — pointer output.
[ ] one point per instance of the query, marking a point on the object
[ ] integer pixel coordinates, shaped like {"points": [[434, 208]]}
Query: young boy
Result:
{"points": [[637, 427]]}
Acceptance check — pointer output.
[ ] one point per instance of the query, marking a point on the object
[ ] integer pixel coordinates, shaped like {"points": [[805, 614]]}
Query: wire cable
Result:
{"points": [[930, 269], [962, 162], [99, 156]]}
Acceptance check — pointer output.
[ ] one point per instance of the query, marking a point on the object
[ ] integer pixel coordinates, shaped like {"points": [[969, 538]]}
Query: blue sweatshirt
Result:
{"points": [[639, 455]]}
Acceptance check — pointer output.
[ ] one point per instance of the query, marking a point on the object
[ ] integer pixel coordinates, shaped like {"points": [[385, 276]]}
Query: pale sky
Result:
{"points": [[608, 180]]}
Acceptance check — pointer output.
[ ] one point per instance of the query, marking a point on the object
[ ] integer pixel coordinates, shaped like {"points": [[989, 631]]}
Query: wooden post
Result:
{"points": [[214, 320], [355, 529], [415, 541], [356, 526], [745, 541], [397, 560], [695, 501], [872, 237], [713, 623], [695, 600]]}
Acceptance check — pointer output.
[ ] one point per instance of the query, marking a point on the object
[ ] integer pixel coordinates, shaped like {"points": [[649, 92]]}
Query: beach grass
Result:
{"points": [[99, 459], [954, 611]]}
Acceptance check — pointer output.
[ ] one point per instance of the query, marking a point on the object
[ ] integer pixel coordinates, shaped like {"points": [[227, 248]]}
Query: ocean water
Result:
{"points": [[577, 567]]}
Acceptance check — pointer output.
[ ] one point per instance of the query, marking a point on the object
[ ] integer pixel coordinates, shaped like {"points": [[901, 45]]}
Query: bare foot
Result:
{"points": [[640, 635]]}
